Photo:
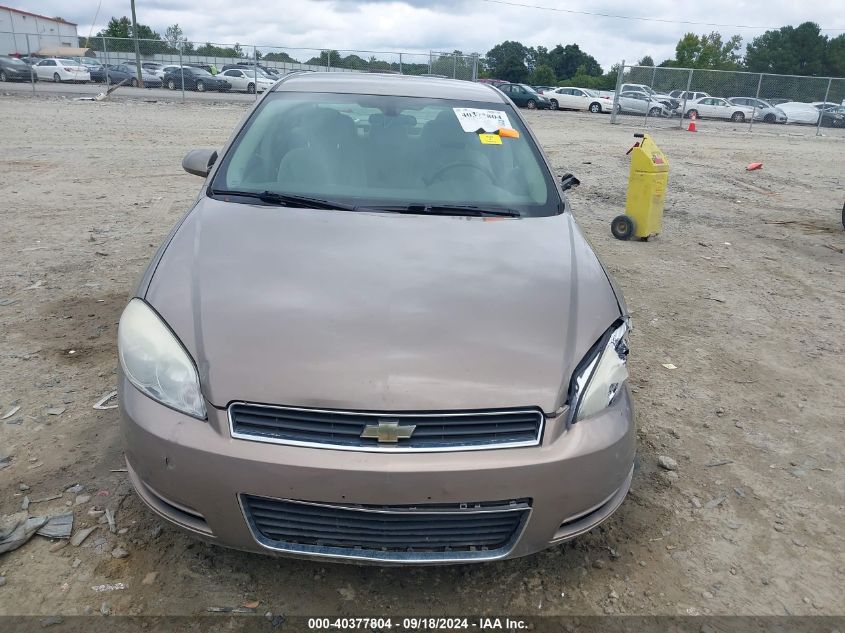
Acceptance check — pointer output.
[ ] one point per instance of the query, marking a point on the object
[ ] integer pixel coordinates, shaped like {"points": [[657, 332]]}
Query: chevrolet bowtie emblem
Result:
{"points": [[388, 432]]}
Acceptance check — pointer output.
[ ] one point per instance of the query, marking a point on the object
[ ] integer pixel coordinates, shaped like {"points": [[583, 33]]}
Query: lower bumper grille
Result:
{"points": [[356, 430], [424, 533]]}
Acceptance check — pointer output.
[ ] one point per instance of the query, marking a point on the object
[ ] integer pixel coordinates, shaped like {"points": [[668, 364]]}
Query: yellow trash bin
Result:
{"points": [[646, 192]]}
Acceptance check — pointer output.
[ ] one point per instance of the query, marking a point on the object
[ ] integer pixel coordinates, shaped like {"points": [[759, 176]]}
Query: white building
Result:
{"points": [[22, 32]]}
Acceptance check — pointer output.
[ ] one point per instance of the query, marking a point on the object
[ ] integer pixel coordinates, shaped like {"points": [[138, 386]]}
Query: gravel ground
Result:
{"points": [[743, 294]]}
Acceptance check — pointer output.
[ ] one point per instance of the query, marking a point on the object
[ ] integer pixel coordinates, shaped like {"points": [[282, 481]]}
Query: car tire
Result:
{"points": [[133, 82], [655, 111], [56, 78], [622, 227], [738, 117], [531, 104], [3, 76], [769, 118], [250, 89], [171, 84], [553, 104], [200, 86], [595, 108]]}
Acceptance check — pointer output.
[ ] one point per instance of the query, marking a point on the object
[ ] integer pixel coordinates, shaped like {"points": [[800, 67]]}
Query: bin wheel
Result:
{"points": [[622, 227]]}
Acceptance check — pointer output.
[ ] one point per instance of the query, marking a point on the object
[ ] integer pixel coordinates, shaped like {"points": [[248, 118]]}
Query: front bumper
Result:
{"points": [[193, 473]]}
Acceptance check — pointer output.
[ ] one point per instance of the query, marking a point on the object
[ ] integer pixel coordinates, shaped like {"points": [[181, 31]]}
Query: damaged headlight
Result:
{"points": [[600, 375], [155, 362]]}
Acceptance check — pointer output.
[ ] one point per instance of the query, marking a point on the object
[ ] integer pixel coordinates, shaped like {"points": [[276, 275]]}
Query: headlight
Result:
{"points": [[155, 361], [600, 375]]}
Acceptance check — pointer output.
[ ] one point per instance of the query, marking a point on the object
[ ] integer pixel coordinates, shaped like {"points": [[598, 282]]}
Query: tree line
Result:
{"points": [[119, 36], [802, 50]]}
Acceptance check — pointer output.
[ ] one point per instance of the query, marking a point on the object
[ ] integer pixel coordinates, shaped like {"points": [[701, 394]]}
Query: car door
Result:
{"points": [[721, 108], [580, 99], [236, 78], [45, 69], [705, 107]]}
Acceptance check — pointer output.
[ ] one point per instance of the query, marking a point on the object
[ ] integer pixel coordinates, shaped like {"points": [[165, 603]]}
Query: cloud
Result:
{"points": [[441, 25]]}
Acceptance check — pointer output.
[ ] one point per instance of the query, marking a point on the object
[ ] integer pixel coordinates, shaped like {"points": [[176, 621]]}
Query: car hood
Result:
{"points": [[378, 311]]}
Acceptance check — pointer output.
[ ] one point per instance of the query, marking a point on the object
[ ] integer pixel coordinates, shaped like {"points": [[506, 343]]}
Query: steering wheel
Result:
{"points": [[440, 173]]}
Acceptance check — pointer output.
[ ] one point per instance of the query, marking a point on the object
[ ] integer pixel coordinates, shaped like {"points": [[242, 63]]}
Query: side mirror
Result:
{"points": [[199, 161], [568, 181]]}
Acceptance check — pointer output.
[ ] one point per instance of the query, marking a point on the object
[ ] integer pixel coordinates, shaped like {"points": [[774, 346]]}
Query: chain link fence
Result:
{"points": [[658, 97], [112, 60]]}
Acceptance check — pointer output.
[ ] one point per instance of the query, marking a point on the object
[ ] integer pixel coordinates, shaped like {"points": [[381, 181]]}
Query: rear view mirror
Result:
{"points": [[568, 181], [199, 161]]}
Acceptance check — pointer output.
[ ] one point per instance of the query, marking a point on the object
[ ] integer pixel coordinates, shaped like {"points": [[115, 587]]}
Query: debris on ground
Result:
{"points": [[81, 535], [25, 503], [119, 552], [16, 529], [669, 366], [719, 462], [101, 403], [111, 521], [11, 412], [55, 410], [43, 499], [150, 578], [117, 586], [754, 166], [57, 526], [667, 463]]}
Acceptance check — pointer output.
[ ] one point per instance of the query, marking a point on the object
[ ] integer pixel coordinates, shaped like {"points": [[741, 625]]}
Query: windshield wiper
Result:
{"points": [[287, 200], [446, 209]]}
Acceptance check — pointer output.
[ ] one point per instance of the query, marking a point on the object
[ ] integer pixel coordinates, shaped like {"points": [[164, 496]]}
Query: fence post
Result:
{"points": [[648, 109], [31, 71], [329, 60], [105, 66], [684, 104], [475, 66], [757, 96], [429, 62], [826, 94], [454, 65], [181, 72], [613, 111], [400, 64], [255, 70]]}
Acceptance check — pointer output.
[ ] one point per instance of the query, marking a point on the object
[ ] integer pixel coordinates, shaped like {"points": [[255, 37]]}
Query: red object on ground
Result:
{"points": [[753, 166], [691, 127]]}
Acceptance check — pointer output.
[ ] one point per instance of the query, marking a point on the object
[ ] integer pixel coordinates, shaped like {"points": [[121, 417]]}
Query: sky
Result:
{"points": [[446, 25]]}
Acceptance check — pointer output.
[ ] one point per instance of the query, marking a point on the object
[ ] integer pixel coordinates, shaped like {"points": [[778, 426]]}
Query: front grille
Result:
{"points": [[428, 431], [420, 533]]}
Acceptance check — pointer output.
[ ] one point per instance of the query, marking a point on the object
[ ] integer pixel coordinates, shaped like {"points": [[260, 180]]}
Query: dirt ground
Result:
{"points": [[743, 293]]}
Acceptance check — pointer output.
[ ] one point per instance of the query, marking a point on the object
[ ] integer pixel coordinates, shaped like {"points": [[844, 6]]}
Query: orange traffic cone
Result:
{"points": [[691, 127]]}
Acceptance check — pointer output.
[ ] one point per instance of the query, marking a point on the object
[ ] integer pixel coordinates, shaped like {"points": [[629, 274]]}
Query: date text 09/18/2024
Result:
{"points": [[418, 624]]}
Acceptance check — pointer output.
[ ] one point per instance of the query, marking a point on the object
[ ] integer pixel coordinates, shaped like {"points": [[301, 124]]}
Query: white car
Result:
{"points": [[58, 69], [638, 102], [763, 110], [247, 79], [717, 108], [798, 112], [665, 99], [578, 99]]}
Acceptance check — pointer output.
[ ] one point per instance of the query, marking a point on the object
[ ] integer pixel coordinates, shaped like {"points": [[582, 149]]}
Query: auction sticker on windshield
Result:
{"points": [[474, 119]]}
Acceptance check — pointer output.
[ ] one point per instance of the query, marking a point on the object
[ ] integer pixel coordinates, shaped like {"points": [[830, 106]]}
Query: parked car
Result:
{"points": [[833, 117], [525, 97], [13, 69], [689, 95], [58, 69], [777, 101], [127, 72], [161, 72], [798, 112], [567, 98], [195, 79], [355, 375], [270, 71], [665, 99], [542, 89], [152, 67], [823, 105], [763, 111], [247, 79], [638, 102], [717, 108], [211, 69]]}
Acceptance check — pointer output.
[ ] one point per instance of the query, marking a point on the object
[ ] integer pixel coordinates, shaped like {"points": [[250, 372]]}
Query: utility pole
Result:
{"points": [[137, 48]]}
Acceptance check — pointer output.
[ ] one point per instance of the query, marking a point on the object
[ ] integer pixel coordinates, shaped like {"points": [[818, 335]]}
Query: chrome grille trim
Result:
{"points": [[387, 448]]}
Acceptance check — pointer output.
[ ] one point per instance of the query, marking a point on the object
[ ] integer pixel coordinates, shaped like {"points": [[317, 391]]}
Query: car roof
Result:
{"points": [[389, 84]]}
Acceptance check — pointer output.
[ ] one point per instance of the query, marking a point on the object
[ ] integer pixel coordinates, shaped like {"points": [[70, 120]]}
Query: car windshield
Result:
{"points": [[371, 151], [529, 89], [14, 61]]}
